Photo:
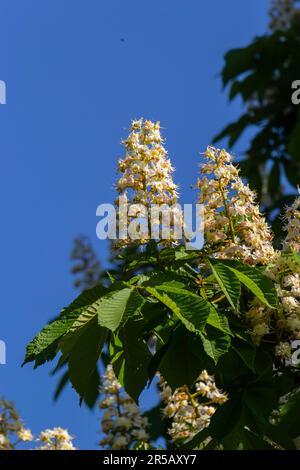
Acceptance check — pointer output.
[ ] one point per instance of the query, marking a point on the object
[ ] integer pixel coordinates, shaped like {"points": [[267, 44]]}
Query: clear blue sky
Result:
{"points": [[72, 88]]}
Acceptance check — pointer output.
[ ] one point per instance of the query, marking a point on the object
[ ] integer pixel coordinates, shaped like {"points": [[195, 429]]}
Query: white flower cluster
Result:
{"points": [[284, 270], [13, 432], [292, 227], [191, 411], [146, 179], [55, 439], [122, 423], [283, 350], [233, 226], [282, 14]]}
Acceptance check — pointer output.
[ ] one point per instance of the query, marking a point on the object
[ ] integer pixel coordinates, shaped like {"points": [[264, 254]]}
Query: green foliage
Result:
{"points": [[261, 75], [197, 318]]}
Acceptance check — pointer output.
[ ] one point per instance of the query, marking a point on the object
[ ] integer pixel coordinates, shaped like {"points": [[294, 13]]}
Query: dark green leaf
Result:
{"points": [[131, 358], [189, 308], [227, 281]]}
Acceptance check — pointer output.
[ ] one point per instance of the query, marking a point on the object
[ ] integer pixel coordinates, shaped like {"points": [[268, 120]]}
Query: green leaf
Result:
{"points": [[228, 283], [141, 260], [61, 385], [215, 343], [157, 426], [290, 414], [131, 357], [85, 299], [253, 441], [246, 351], [260, 399], [83, 349], [238, 61], [86, 318], [218, 320], [189, 308], [166, 279], [279, 435], [184, 359], [226, 417], [116, 306], [262, 287], [45, 345]]}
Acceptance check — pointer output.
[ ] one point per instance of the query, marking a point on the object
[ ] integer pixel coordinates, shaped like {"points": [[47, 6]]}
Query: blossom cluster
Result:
{"points": [[282, 14], [233, 225], [55, 439], [191, 410], [146, 180], [235, 229], [13, 432], [284, 270], [123, 425], [292, 227]]}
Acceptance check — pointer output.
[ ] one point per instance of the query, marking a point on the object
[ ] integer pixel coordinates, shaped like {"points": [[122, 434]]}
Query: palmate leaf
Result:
{"points": [[44, 346], [83, 343], [188, 307]]}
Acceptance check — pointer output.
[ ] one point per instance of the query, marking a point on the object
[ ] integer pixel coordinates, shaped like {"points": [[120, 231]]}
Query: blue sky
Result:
{"points": [[76, 72]]}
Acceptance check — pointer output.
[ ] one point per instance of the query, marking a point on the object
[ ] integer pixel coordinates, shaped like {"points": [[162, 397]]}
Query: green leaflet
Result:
{"points": [[116, 306], [81, 348], [256, 282], [227, 281], [130, 357], [246, 351], [215, 343], [218, 320], [189, 308], [45, 345], [85, 299], [82, 362], [262, 287], [290, 414], [183, 359]]}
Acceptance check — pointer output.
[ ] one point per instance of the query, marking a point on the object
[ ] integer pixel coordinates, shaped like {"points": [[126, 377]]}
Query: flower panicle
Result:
{"points": [[146, 180], [13, 432], [191, 410], [233, 225], [122, 424]]}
